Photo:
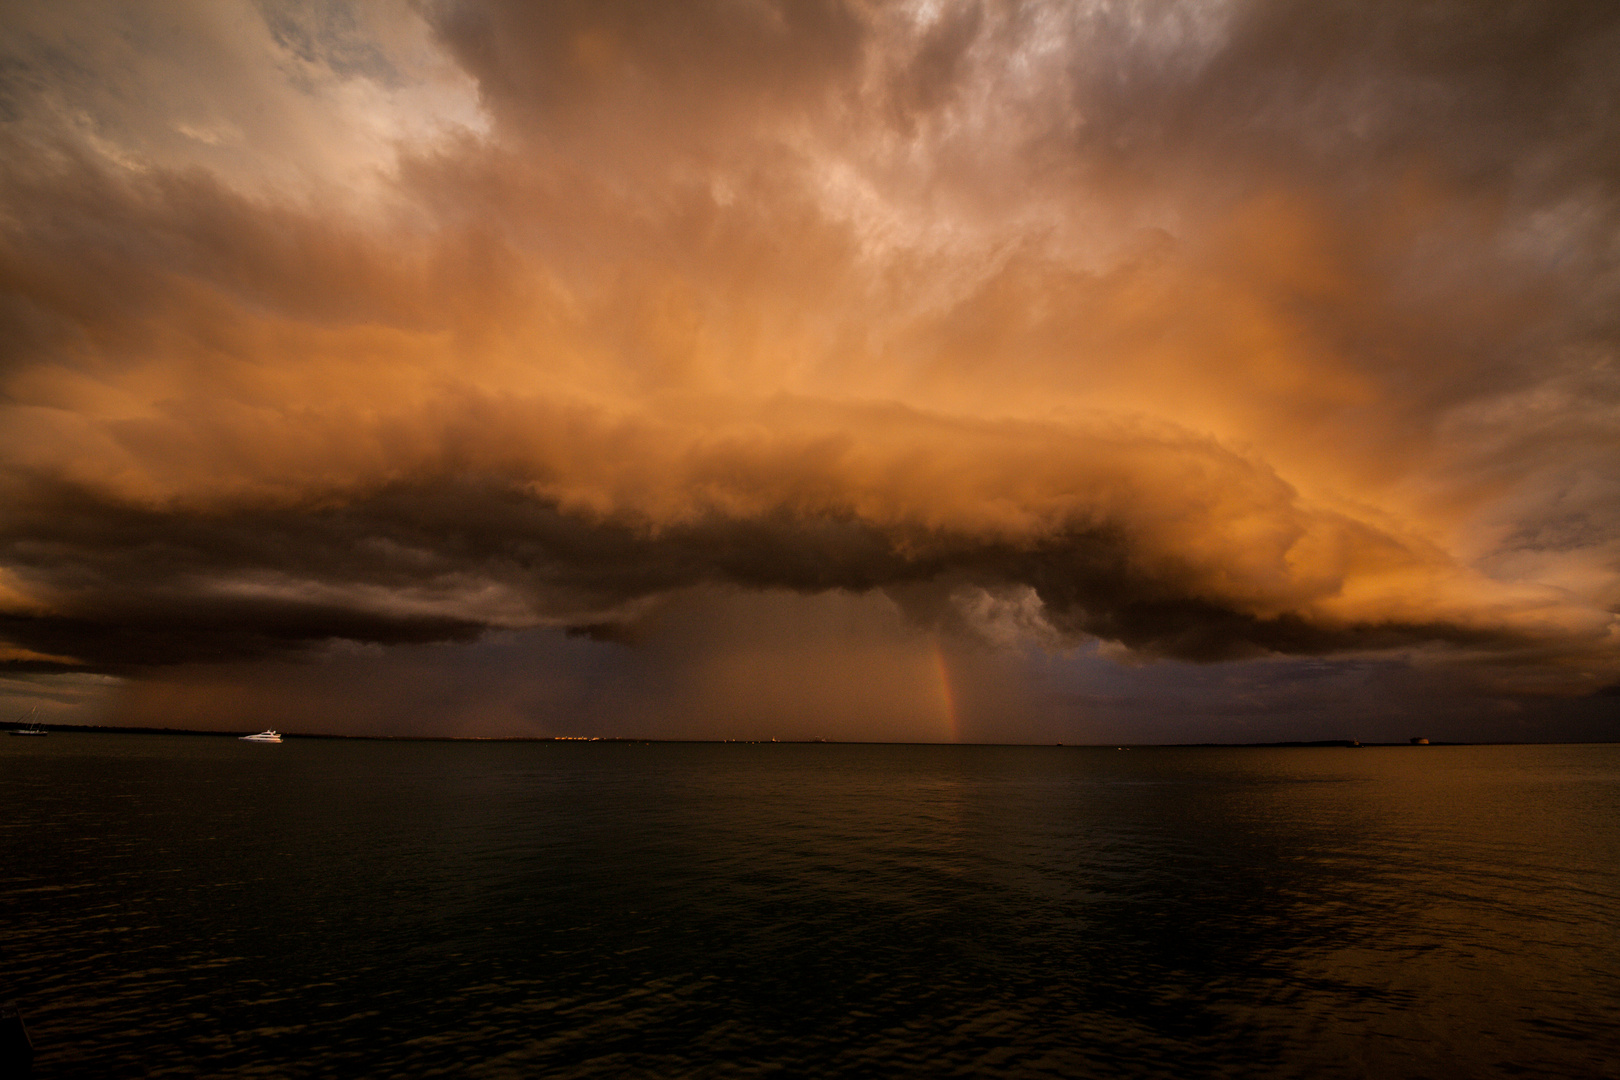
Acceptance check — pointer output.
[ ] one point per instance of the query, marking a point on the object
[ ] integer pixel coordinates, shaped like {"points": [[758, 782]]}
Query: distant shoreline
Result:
{"points": [[1317, 744]]}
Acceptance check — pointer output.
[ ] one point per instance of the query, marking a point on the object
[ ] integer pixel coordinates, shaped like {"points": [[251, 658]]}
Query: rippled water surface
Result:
{"points": [[200, 906]]}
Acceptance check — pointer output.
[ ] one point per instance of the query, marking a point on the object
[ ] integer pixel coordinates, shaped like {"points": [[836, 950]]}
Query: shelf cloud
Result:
{"points": [[1216, 332]]}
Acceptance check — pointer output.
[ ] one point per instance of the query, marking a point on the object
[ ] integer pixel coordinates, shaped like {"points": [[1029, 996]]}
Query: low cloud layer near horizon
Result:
{"points": [[977, 369]]}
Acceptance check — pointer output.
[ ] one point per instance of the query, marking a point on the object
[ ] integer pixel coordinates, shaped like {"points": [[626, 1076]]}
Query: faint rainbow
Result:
{"points": [[947, 695]]}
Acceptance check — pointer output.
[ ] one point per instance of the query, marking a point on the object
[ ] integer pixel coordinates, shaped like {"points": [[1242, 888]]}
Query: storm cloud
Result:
{"points": [[1210, 332]]}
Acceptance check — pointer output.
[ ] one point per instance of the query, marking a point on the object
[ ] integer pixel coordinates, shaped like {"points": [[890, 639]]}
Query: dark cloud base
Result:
{"points": [[137, 586]]}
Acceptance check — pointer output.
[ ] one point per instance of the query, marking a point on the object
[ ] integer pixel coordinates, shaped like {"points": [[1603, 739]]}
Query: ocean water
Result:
{"points": [[193, 906]]}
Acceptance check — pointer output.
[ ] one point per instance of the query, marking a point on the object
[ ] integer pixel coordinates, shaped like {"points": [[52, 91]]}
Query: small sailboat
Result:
{"points": [[263, 736], [29, 728]]}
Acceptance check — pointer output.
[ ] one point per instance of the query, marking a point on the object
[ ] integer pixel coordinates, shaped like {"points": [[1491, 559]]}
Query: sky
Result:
{"points": [[953, 370]]}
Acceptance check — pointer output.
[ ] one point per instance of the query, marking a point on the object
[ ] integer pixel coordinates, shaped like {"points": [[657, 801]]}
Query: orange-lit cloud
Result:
{"points": [[1212, 331]]}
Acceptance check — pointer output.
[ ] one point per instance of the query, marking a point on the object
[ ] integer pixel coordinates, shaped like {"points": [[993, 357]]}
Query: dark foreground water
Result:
{"points": [[200, 906]]}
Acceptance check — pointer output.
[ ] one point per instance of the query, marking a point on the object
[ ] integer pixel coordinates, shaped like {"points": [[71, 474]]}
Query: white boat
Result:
{"points": [[32, 728], [263, 736]]}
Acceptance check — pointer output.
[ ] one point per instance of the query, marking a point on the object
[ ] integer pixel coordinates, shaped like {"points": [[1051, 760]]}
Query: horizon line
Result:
{"points": [[1281, 744]]}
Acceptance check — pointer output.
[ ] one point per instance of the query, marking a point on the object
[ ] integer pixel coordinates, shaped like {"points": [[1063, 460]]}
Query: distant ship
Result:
{"points": [[31, 729], [263, 736]]}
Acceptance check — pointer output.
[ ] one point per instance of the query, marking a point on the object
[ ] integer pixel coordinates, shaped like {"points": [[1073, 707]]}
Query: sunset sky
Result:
{"points": [[1228, 370]]}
